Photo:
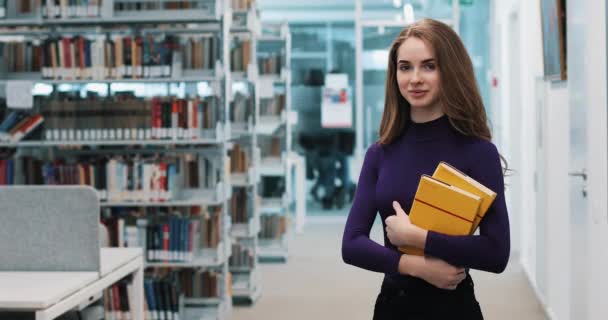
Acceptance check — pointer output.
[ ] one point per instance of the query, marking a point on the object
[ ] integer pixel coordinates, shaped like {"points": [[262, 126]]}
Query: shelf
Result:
{"points": [[109, 81], [192, 197], [268, 250], [240, 180], [241, 269], [165, 18], [245, 230], [268, 125], [272, 206], [272, 166], [272, 77], [246, 286], [50, 143], [209, 258], [239, 76], [211, 312], [240, 129], [203, 301]]}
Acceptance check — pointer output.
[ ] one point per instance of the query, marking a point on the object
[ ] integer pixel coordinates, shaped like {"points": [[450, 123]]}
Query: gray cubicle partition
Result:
{"points": [[49, 228]]}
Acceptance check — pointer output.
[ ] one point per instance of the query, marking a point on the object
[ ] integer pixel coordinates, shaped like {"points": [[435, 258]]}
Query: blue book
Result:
{"points": [[149, 292], [10, 172]]}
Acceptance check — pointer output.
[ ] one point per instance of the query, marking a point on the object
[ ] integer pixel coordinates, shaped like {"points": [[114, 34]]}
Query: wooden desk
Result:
{"points": [[50, 294]]}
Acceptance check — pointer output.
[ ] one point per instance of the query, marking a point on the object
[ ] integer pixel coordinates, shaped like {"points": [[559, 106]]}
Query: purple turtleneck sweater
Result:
{"points": [[392, 172]]}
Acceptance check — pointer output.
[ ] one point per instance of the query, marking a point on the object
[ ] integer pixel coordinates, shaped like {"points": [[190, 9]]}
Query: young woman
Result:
{"points": [[432, 112]]}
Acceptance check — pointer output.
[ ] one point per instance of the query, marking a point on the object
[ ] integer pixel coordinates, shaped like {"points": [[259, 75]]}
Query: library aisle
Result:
{"points": [[316, 284]]}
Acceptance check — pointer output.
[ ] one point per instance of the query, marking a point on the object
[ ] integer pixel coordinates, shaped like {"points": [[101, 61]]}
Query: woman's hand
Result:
{"points": [[400, 231], [398, 227], [434, 271]]}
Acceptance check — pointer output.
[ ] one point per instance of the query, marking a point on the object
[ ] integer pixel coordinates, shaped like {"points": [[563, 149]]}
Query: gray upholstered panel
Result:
{"points": [[49, 228]]}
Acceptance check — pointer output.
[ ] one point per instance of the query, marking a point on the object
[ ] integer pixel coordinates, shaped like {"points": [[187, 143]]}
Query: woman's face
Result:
{"points": [[418, 75]]}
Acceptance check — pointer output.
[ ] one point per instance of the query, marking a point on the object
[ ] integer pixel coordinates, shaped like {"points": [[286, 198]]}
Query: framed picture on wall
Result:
{"points": [[553, 20]]}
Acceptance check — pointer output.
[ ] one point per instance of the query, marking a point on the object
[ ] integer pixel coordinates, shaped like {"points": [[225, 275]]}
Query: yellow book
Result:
{"points": [[442, 208], [454, 177]]}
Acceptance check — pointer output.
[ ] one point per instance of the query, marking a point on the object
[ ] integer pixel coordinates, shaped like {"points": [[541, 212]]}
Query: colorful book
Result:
{"points": [[452, 176], [442, 208]]}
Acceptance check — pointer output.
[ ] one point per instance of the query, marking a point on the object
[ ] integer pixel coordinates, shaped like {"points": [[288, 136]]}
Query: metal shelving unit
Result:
{"points": [[246, 282], [277, 125], [215, 17]]}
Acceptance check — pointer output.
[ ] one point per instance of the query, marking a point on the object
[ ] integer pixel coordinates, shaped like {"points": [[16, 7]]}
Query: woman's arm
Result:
{"points": [[488, 251], [357, 248]]}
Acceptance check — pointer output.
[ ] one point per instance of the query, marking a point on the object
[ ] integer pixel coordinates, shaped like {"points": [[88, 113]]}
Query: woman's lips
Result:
{"points": [[417, 93]]}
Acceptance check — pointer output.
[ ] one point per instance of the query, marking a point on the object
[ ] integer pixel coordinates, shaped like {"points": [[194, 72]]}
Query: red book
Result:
{"points": [[82, 53], [194, 119], [2, 172], [156, 118], [166, 242], [67, 55]]}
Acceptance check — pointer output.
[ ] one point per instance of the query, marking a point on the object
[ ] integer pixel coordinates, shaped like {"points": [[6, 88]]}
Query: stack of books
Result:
{"points": [[449, 202], [17, 125]]}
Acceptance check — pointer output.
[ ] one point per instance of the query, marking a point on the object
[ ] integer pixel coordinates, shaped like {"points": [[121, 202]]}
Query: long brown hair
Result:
{"points": [[459, 94]]}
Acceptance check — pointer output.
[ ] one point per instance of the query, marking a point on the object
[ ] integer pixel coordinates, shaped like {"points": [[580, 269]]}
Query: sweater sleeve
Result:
{"points": [[357, 248], [488, 251]]}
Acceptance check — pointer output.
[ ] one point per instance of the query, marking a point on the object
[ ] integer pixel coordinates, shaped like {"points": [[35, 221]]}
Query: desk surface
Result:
{"points": [[39, 290]]}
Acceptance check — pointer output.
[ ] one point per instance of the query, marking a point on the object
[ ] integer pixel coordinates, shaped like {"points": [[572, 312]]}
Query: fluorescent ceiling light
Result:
{"points": [[408, 13]]}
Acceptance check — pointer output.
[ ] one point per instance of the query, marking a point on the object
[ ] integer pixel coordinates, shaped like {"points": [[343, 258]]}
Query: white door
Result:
{"points": [[595, 16], [588, 162]]}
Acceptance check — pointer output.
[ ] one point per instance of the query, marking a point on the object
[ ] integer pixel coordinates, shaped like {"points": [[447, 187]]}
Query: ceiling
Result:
{"points": [[343, 10]]}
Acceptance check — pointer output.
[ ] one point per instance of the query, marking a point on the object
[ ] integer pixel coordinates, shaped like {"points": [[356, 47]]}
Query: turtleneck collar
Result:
{"points": [[430, 130]]}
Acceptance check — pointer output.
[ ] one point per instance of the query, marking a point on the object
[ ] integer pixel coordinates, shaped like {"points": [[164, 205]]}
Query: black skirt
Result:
{"points": [[419, 300]]}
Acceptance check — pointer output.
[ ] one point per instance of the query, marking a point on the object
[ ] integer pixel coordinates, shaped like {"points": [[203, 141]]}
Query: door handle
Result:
{"points": [[582, 174]]}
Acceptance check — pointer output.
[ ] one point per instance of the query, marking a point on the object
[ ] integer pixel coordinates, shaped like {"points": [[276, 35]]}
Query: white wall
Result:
{"points": [[540, 116], [517, 114]]}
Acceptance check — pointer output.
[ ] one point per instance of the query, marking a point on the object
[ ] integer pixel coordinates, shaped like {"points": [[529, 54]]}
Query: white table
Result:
{"points": [[50, 294]]}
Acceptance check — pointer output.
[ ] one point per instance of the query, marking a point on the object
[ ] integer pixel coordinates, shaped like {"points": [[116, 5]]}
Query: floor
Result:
{"points": [[316, 284]]}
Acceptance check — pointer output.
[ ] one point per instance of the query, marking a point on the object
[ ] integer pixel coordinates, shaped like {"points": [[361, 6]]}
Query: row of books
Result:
{"points": [[170, 237], [242, 256], [124, 179], [18, 124], [240, 56], [240, 206], [271, 64], [239, 159], [142, 6], [118, 300], [161, 297], [449, 202], [272, 107], [129, 119], [200, 283], [273, 226], [65, 9], [111, 56], [164, 289]]}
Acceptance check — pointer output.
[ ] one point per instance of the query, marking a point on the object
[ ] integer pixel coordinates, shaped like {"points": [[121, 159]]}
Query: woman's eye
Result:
{"points": [[404, 67], [429, 66]]}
